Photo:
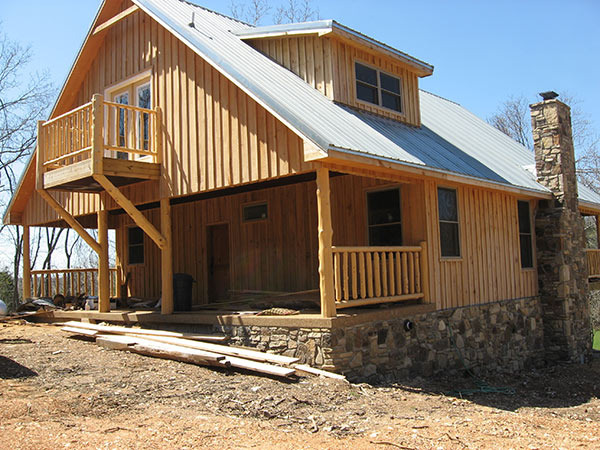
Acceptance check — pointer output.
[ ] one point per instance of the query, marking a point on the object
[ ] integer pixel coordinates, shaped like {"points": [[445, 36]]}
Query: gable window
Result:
{"points": [[257, 211], [378, 88], [135, 245], [385, 218], [525, 236], [449, 226]]}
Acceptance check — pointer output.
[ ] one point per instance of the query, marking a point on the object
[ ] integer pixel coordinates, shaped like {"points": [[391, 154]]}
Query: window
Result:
{"points": [[525, 237], [122, 99], [135, 244], [379, 88], [384, 216], [449, 234], [144, 101], [255, 212]]}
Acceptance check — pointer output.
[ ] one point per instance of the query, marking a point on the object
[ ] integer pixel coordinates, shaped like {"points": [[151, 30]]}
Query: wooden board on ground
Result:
{"points": [[109, 329], [80, 331], [227, 350], [302, 369]]}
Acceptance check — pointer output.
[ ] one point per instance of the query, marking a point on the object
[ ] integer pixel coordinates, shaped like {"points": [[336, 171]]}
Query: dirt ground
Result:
{"points": [[60, 392]]}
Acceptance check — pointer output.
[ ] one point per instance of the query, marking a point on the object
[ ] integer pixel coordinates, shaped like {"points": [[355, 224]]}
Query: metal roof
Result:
{"points": [[450, 139]]}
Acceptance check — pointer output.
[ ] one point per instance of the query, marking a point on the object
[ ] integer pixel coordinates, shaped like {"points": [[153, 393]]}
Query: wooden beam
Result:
{"points": [[425, 272], [97, 134], [328, 308], [110, 22], [103, 269], [26, 264], [139, 219], [166, 258], [39, 179], [73, 223]]}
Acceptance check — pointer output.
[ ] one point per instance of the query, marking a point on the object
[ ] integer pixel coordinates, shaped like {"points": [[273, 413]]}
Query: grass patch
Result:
{"points": [[596, 344]]}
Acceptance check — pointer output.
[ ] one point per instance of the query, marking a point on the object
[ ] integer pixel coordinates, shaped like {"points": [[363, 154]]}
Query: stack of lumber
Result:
{"points": [[207, 350]]}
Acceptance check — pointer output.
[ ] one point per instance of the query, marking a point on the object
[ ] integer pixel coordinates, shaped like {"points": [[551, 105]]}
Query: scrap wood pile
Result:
{"points": [[205, 350]]}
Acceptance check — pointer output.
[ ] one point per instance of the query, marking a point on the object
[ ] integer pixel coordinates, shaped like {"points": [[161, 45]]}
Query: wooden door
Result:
{"points": [[218, 263]]}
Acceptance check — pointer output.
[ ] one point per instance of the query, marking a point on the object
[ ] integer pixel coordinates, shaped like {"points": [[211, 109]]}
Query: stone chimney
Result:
{"points": [[560, 236]]}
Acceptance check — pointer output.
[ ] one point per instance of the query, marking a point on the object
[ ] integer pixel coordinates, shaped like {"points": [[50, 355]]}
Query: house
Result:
{"points": [[304, 159]]}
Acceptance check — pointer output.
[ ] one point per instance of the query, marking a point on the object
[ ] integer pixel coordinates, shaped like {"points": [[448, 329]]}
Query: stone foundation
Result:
{"points": [[504, 336]]}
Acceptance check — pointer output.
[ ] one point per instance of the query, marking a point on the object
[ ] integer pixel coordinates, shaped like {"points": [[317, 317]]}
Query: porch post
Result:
{"points": [[166, 257], [597, 231], [26, 264], [325, 243], [103, 271]]}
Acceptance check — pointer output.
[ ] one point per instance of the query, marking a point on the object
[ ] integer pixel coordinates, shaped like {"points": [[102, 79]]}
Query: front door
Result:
{"points": [[218, 262]]}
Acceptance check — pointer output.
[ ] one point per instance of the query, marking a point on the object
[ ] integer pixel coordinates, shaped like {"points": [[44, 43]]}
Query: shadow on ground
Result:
{"points": [[555, 386], [10, 370]]}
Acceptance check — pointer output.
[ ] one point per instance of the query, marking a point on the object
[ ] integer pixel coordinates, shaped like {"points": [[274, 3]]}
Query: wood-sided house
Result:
{"points": [[290, 158]]}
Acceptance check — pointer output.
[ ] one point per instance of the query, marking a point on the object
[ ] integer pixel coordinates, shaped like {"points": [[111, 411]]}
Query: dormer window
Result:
{"points": [[378, 88]]}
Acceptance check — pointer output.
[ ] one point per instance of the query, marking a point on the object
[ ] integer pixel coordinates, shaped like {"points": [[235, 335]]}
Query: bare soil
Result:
{"points": [[60, 392]]}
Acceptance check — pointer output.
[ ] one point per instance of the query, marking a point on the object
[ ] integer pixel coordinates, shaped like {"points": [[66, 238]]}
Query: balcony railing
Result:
{"points": [[48, 283], [371, 275], [95, 132]]}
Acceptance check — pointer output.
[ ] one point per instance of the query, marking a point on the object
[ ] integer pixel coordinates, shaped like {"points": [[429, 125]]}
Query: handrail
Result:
{"points": [[372, 275], [68, 113], [50, 282]]}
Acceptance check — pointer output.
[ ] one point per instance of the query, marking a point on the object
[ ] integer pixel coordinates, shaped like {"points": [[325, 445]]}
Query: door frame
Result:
{"points": [[207, 256]]}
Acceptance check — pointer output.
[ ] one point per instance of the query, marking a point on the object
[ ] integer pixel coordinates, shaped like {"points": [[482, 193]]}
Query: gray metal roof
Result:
{"points": [[451, 138]]}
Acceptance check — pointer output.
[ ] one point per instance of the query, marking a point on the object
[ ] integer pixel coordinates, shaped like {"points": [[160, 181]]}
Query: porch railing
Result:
{"points": [[371, 275], [593, 262], [48, 283], [129, 132]]}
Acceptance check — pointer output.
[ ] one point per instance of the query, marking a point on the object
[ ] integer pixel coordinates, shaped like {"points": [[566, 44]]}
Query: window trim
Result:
{"points": [[458, 222], [531, 234], [254, 203], [143, 245], [381, 188], [379, 89]]}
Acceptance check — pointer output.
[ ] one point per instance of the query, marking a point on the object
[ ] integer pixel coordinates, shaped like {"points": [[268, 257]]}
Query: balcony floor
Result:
{"points": [[78, 176]]}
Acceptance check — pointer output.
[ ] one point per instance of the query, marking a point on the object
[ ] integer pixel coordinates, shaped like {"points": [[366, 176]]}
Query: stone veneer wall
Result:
{"points": [[560, 237], [504, 336]]}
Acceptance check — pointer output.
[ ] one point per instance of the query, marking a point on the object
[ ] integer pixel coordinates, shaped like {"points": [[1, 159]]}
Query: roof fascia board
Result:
{"points": [[589, 206], [336, 154], [257, 98], [422, 68], [6, 220]]}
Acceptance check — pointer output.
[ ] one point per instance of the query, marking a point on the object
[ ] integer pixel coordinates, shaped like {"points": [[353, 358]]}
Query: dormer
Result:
{"points": [[346, 66]]}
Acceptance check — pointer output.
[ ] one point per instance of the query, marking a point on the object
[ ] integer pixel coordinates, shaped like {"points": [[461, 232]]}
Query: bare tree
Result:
{"points": [[254, 11], [296, 11]]}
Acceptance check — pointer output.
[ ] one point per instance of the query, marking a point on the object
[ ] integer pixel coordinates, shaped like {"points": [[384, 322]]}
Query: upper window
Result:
{"points": [[449, 227], [135, 245], [377, 87], [385, 224], [525, 236]]}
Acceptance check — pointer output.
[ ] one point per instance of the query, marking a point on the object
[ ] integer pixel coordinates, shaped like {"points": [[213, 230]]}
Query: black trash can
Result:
{"points": [[182, 291]]}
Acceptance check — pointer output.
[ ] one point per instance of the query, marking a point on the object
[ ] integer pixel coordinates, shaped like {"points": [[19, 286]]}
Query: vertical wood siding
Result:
{"points": [[327, 64], [214, 134], [280, 253]]}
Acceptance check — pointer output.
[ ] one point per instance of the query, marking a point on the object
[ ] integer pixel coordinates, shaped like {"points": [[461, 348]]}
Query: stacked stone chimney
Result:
{"points": [[560, 236]]}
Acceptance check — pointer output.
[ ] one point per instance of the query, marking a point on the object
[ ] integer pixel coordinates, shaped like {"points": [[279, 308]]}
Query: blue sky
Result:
{"points": [[483, 51]]}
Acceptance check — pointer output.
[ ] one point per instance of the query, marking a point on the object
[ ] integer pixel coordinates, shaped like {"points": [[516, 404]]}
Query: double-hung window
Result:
{"points": [[385, 225], [378, 88], [449, 225], [525, 235]]}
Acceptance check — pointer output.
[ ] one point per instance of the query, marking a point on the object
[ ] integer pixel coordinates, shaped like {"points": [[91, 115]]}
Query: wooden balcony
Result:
{"points": [[372, 275], [117, 141]]}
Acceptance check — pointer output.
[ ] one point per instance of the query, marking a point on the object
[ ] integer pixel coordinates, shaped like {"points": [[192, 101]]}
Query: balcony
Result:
{"points": [[100, 138]]}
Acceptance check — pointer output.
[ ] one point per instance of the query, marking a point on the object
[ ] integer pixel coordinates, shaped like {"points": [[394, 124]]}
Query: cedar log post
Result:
{"points": [[166, 257], [97, 133], [103, 270], [26, 264], [328, 308]]}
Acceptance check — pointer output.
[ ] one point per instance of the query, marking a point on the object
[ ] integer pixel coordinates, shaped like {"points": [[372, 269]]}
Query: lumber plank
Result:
{"points": [[226, 350], [80, 331], [261, 367], [145, 332], [302, 369]]}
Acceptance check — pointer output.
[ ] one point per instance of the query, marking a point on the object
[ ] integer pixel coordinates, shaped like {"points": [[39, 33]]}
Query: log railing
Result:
{"points": [[593, 262], [128, 132], [48, 283], [371, 275]]}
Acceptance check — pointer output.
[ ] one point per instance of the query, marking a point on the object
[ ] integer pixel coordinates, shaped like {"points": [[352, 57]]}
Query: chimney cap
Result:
{"points": [[549, 95]]}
